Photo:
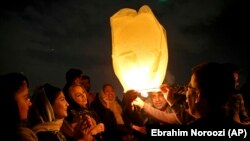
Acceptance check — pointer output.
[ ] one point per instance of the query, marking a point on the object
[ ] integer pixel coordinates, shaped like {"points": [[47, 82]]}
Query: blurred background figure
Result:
{"points": [[14, 105], [236, 105], [73, 76], [86, 82], [245, 91]]}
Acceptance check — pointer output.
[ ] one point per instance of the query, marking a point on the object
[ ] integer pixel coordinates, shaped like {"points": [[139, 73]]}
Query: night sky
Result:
{"points": [[45, 38]]}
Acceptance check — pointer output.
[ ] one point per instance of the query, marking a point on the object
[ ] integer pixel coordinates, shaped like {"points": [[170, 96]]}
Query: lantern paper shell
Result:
{"points": [[139, 49]]}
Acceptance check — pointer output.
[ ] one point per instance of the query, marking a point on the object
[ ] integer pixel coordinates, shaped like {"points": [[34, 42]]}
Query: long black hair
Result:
{"points": [[10, 83]]}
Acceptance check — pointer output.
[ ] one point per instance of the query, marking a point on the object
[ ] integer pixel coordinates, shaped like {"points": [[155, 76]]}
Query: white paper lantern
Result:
{"points": [[139, 49]]}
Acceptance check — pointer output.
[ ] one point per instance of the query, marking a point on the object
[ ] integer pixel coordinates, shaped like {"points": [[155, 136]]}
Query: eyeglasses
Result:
{"points": [[188, 86]]}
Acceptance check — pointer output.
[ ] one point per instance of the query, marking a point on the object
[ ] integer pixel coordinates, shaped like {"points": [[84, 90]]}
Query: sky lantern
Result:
{"points": [[139, 49]]}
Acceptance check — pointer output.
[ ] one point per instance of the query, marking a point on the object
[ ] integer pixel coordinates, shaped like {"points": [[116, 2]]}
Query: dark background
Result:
{"points": [[44, 38]]}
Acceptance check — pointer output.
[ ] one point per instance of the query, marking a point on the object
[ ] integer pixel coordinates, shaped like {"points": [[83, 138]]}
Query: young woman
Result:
{"points": [[47, 113], [79, 112], [109, 109], [14, 105]]}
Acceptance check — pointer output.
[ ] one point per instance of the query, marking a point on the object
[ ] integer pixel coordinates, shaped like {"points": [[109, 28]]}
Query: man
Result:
{"points": [[73, 76], [85, 81], [157, 100], [209, 89]]}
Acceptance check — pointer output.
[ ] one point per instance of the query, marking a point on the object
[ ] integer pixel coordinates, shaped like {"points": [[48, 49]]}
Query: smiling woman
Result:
{"points": [[47, 112]]}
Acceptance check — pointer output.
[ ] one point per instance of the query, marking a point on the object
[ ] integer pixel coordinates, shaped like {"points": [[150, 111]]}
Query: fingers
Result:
{"points": [[138, 102], [97, 129], [134, 103], [141, 129]]}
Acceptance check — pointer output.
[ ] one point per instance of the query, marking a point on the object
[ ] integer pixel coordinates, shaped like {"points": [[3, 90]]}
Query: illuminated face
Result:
{"points": [[78, 94], [191, 95], [60, 106], [109, 93], [23, 101], [158, 100]]}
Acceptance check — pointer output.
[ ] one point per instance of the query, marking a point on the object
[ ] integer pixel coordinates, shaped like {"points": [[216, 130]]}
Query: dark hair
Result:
{"points": [[73, 105], [10, 83], [232, 67], [51, 92], [42, 99], [72, 74], [215, 82], [86, 77], [106, 85]]}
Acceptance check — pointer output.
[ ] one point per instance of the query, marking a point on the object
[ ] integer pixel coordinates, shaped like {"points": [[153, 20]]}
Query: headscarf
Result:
{"points": [[42, 117]]}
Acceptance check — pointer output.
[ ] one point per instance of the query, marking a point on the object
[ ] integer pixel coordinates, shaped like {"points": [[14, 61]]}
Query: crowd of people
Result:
{"points": [[74, 113]]}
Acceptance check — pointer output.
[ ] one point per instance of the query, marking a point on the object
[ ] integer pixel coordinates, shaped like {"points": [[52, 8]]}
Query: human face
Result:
{"points": [[109, 93], [192, 95], [86, 84], [23, 101], [77, 81], [158, 100], [78, 94], [60, 106]]}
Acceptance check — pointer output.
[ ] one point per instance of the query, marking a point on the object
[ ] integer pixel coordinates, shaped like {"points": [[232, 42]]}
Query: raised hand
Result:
{"points": [[168, 93], [138, 102]]}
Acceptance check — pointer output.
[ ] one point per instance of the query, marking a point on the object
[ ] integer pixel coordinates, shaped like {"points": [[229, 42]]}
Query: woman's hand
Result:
{"points": [[106, 101], [98, 129]]}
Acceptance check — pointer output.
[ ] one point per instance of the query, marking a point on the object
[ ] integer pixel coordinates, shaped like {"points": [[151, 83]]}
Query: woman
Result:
{"points": [[79, 112], [15, 103], [47, 113], [109, 109]]}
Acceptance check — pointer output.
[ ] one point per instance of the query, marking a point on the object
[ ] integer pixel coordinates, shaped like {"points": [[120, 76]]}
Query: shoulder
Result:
{"points": [[27, 134]]}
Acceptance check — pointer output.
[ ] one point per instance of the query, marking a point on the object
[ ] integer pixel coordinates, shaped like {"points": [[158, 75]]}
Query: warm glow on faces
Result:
{"points": [[60, 106], [109, 92], [78, 94], [158, 100], [23, 101], [191, 95]]}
